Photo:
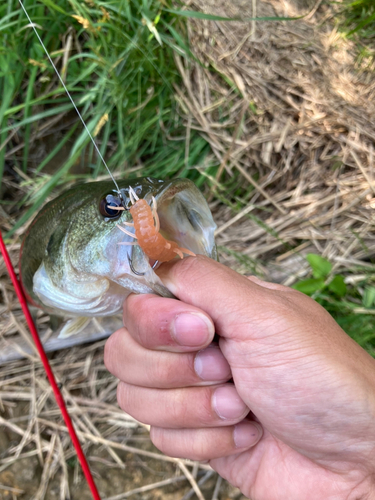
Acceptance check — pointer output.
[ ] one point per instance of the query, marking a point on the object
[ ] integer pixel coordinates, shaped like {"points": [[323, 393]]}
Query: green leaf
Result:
{"points": [[310, 286], [320, 266], [38, 116], [368, 299], [363, 23], [53, 5], [337, 286], [157, 19], [211, 17]]}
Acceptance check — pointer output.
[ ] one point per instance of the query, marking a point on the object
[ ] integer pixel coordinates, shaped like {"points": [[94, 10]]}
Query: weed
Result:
{"points": [[360, 17], [116, 59], [350, 302]]}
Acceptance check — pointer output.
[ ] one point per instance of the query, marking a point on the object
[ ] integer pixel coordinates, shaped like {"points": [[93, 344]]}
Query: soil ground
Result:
{"points": [[307, 150]]}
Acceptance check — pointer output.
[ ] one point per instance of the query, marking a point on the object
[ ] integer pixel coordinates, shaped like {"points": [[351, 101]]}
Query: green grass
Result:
{"points": [[359, 18], [117, 60], [351, 305], [356, 21], [121, 73], [351, 315]]}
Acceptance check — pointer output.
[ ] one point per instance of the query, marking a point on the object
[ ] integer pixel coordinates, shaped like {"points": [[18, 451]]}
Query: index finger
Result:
{"points": [[167, 324]]}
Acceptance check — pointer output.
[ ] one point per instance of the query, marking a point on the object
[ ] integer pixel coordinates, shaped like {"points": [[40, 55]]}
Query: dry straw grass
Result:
{"points": [[307, 149]]}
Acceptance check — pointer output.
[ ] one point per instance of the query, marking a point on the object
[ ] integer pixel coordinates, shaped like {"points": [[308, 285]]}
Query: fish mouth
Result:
{"points": [[185, 218]]}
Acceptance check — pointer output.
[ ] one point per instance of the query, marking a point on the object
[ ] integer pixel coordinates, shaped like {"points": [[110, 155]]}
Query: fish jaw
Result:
{"points": [[81, 283], [119, 255]]}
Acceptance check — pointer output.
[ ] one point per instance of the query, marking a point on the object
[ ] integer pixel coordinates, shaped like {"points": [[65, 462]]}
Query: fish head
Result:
{"points": [[85, 265], [97, 245]]}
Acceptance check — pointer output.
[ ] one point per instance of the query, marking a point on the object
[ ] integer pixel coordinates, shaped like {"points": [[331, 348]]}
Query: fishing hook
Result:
{"points": [[133, 270]]}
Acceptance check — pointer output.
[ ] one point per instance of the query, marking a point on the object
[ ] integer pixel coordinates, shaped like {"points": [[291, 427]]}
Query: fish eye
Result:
{"points": [[110, 201]]}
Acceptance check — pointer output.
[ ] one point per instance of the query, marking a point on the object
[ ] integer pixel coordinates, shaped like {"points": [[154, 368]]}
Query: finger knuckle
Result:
{"points": [[110, 350], [179, 408], [281, 305], [123, 397], [197, 445], [205, 414], [192, 270], [161, 372], [159, 439]]}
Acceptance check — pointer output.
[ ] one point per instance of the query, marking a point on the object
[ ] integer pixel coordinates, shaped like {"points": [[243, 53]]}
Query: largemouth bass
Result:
{"points": [[72, 262]]}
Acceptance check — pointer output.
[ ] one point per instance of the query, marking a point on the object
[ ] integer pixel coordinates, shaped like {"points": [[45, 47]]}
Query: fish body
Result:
{"points": [[72, 262]]}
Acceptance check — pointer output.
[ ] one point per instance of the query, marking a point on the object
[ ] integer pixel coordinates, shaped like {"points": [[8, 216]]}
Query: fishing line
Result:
{"points": [[70, 97], [21, 296], [47, 367]]}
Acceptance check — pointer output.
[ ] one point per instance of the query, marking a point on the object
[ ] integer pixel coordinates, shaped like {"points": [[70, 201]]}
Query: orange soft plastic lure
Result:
{"points": [[147, 231]]}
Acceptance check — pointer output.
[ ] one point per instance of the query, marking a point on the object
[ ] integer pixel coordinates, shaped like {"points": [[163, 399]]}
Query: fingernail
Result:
{"points": [[210, 364], [227, 403], [247, 434], [192, 329]]}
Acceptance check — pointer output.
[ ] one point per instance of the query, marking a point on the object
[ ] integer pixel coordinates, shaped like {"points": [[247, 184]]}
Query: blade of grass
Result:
{"points": [[44, 192], [39, 116], [211, 17], [57, 148], [26, 114]]}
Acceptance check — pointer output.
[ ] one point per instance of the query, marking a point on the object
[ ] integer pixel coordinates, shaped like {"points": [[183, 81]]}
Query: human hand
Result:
{"points": [[307, 383]]}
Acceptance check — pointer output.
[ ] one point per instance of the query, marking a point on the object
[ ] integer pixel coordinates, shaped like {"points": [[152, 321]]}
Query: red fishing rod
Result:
{"points": [[47, 367]]}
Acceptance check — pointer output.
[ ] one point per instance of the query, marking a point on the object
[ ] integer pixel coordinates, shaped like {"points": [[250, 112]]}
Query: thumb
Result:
{"points": [[222, 293]]}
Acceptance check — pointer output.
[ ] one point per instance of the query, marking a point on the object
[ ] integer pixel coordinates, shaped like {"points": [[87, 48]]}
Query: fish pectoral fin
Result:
{"points": [[73, 326]]}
